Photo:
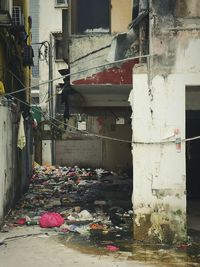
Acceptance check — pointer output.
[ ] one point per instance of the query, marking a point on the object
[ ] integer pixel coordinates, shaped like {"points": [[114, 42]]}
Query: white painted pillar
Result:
{"points": [[159, 180]]}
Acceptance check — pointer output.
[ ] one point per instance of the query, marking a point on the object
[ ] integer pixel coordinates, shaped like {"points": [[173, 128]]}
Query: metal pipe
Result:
{"points": [[51, 102]]}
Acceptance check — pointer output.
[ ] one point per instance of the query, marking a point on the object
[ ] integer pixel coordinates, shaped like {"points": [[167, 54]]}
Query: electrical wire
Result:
{"points": [[86, 133], [78, 72], [42, 113], [83, 133]]}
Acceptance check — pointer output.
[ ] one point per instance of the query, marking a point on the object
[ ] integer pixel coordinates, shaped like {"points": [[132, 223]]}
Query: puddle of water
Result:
{"points": [[154, 254]]}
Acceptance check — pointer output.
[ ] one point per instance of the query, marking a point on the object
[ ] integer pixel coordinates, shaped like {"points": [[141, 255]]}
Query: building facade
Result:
{"points": [[15, 120], [152, 48], [96, 33], [47, 45], [165, 104]]}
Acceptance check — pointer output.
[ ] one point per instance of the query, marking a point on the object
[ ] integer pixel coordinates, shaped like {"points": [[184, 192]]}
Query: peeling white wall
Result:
{"points": [[7, 160], [154, 123], [159, 181]]}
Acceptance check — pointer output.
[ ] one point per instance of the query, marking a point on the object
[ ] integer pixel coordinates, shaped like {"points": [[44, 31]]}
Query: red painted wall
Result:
{"points": [[114, 75]]}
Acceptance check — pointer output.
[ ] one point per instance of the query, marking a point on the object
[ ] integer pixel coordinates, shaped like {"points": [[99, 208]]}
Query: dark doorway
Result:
{"points": [[193, 158], [193, 154]]}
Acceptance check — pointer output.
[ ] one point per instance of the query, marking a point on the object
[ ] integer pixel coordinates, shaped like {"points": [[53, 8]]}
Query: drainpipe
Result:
{"points": [[27, 70], [50, 92], [143, 30], [50, 89]]}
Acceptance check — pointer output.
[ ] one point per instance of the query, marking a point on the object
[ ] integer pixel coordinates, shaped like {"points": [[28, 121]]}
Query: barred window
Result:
{"points": [[61, 3]]}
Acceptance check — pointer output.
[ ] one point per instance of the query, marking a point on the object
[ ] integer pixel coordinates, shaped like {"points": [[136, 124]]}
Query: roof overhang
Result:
{"points": [[103, 95]]}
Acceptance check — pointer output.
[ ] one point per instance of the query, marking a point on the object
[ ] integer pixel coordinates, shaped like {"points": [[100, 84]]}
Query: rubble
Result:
{"points": [[91, 203]]}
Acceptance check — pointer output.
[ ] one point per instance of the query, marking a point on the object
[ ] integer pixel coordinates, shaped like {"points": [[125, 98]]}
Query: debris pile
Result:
{"points": [[92, 203]]}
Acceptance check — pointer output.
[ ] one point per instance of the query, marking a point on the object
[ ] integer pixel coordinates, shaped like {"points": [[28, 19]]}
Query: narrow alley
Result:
{"points": [[99, 133], [72, 215]]}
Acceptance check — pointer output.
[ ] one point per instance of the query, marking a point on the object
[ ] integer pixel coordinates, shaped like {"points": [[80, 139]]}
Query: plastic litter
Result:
{"points": [[112, 248], [94, 204], [21, 221], [51, 219], [85, 215]]}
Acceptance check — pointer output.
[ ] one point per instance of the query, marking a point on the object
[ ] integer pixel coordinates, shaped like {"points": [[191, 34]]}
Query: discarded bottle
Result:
{"points": [[31, 223]]}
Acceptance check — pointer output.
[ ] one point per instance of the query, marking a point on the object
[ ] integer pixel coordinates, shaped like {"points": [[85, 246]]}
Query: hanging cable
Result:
{"points": [[78, 72], [86, 133]]}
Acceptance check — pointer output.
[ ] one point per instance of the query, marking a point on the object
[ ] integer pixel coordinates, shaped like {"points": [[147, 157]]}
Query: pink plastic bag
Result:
{"points": [[112, 248], [51, 219]]}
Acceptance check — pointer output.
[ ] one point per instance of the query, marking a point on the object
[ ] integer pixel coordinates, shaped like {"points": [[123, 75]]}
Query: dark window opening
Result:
{"points": [[58, 47], [35, 100], [91, 16], [17, 16], [59, 105], [61, 2]]}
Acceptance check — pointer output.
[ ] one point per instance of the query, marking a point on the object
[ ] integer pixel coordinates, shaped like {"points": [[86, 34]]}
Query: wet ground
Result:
{"points": [[92, 223], [33, 246], [183, 255]]}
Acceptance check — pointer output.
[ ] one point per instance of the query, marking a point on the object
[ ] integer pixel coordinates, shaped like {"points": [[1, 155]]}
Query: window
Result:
{"points": [[35, 100], [58, 48], [17, 15], [61, 3], [90, 16], [60, 107]]}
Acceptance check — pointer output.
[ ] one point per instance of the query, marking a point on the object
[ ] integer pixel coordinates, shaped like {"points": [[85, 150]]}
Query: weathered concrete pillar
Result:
{"points": [[159, 180]]}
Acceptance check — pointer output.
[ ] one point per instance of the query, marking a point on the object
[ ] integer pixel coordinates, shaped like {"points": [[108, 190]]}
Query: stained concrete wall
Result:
{"points": [[88, 51], [96, 152], [158, 103], [83, 56], [117, 155], [159, 181], [6, 162], [83, 153], [15, 164]]}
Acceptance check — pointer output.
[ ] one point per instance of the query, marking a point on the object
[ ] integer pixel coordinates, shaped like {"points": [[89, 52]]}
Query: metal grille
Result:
{"points": [[61, 2], [17, 15]]}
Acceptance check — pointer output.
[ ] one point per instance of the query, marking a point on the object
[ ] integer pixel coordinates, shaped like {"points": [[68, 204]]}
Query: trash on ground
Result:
{"points": [[95, 204], [51, 219], [112, 248]]}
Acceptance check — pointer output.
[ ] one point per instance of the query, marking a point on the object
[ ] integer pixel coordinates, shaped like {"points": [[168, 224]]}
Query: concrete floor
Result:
{"points": [[48, 251], [43, 250]]}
